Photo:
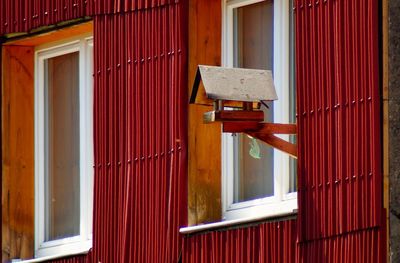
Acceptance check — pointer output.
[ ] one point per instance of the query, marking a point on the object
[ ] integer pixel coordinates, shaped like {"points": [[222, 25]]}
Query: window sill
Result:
{"points": [[235, 222], [57, 256]]}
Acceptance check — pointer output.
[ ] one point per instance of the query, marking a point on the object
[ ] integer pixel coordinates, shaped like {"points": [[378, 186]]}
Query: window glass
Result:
{"points": [[253, 48], [62, 180], [292, 99]]}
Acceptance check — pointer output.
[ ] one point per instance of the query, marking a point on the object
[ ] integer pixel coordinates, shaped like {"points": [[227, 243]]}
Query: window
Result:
{"points": [[63, 147], [258, 180]]}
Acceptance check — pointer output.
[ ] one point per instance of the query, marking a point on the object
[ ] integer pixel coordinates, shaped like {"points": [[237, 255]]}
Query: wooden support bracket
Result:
{"points": [[250, 122]]}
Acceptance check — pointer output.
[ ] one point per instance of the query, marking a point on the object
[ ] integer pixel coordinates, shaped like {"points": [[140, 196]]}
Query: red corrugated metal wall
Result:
{"points": [[340, 172], [76, 259], [268, 242], [140, 134], [24, 15]]}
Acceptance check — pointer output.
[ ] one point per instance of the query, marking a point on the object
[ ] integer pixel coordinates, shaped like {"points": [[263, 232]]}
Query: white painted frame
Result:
{"points": [[82, 242], [282, 201]]}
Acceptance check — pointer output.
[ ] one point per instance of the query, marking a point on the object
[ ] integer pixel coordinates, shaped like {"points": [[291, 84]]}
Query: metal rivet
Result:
{"points": [[129, 160], [136, 159], [119, 65], [369, 98], [142, 158], [46, 13], [129, 61], [55, 10]]}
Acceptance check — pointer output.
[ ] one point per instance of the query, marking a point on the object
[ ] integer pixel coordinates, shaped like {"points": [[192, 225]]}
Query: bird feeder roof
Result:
{"points": [[236, 84]]}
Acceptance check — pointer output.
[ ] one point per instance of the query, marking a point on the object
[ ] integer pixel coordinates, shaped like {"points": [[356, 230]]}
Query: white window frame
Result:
{"points": [[282, 202], [83, 242]]}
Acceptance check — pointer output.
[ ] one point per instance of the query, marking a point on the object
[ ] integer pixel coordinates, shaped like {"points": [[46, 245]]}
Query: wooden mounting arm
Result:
{"points": [[251, 123], [265, 132]]}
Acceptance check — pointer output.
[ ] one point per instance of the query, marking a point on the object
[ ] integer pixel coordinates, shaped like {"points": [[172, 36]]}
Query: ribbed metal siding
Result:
{"points": [[76, 259], [277, 242], [365, 246], [140, 135], [268, 242], [25, 15], [340, 178]]}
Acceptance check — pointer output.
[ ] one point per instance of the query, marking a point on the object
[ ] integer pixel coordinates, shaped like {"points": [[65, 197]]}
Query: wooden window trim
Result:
{"points": [[18, 151]]}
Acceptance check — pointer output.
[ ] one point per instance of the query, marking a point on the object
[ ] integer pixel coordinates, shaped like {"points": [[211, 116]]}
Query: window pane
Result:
{"points": [[253, 48], [62, 208], [292, 94]]}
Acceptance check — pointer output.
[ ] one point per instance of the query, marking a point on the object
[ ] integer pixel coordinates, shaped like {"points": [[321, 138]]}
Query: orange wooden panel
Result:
{"points": [[55, 35], [204, 197], [18, 153]]}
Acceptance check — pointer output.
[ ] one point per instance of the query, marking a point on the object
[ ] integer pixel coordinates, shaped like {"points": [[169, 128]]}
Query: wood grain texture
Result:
{"points": [[55, 35], [204, 196], [18, 153]]}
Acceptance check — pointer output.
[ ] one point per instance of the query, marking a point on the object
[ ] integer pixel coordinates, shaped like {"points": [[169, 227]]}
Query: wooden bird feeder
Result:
{"points": [[249, 87]]}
